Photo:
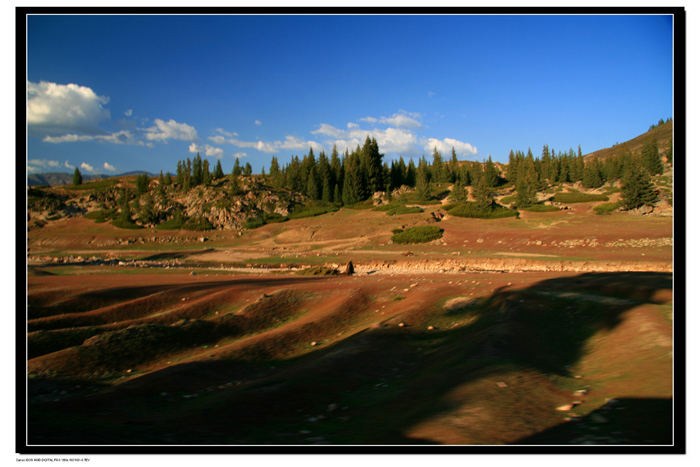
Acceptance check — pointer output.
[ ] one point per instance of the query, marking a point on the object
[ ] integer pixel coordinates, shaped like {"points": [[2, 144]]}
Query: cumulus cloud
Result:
{"points": [[208, 150], [445, 147], [39, 165], [351, 125], [120, 137], [163, 131], [238, 155], [128, 113], [403, 119], [68, 166], [258, 122], [226, 133], [369, 120], [87, 167], [271, 147], [57, 108], [390, 140], [109, 167]]}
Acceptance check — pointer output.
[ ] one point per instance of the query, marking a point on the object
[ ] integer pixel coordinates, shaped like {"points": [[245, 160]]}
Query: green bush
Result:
{"points": [[318, 271], [611, 189], [470, 210], [124, 224], [607, 208], [540, 208], [395, 231], [253, 223], [577, 197], [366, 204], [403, 210], [422, 234], [171, 224], [387, 207], [197, 223], [313, 210], [508, 199]]}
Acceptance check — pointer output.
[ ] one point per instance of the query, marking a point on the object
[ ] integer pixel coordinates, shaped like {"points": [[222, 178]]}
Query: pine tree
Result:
{"points": [[235, 187], [422, 184], [637, 189], [168, 180], [218, 170], [142, 183], [206, 175], [337, 195], [326, 195], [482, 194], [491, 173], [651, 158], [458, 194], [77, 177], [312, 186], [236, 168], [248, 170]]}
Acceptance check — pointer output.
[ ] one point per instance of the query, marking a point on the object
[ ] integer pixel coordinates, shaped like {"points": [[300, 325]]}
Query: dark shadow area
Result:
{"points": [[619, 422], [374, 386]]}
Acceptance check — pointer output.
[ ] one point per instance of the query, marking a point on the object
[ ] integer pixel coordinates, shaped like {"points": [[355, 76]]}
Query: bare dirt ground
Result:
{"points": [[551, 329]]}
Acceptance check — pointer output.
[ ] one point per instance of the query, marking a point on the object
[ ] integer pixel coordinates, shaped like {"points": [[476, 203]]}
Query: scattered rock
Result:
{"points": [[565, 408], [501, 384]]}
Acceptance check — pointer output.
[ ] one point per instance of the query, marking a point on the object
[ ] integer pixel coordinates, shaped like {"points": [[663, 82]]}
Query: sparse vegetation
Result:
{"points": [[422, 234], [577, 197], [472, 210], [607, 208]]}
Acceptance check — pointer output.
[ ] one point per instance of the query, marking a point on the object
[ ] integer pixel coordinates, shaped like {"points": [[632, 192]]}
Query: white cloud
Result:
{"points": [[164, 131], [351, 125], [121, 137], [258, 122], [329, 130], [218, 139], [57, 108], [87, 167], [208, 150], [39, 165], [226, 133], [109, 167], [128, 112], [402, 119], [238, 155], [369, 120], [68, 166], [431, 94], [445, 147]]}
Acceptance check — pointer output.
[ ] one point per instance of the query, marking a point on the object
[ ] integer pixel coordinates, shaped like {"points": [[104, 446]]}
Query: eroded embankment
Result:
{"points": [[508, 265]]}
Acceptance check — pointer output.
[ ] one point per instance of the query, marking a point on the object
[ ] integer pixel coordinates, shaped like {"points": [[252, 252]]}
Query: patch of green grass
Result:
{"points": [[318, 271], [122, 224], [508, 199], [366, 204], [540, 208], [611, 189], [470, 210], [404, 210], [577, 197], [607, 208], [313, 210], [197, 223], [97, 185], [171, 224], [421, 234]]}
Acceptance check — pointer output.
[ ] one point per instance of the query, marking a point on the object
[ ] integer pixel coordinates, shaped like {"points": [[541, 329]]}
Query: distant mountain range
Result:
{"points": [[62, 178]]}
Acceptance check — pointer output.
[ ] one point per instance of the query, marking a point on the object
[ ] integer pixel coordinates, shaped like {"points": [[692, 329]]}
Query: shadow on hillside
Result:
{"points": [[639, 421], [373, 387]]}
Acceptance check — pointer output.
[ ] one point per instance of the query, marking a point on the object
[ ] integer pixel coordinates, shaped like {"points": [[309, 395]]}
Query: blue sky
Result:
{"points": [[112, 94]]}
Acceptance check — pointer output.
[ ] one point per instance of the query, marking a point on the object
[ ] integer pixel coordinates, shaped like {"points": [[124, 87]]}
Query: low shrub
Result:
{"points": [[403, 210], [318, 271], [607, 208], [253, 223], [171, 224], [387, 207], [313, 210], [540, 208], [470, 210], [577, 197], [611, 189], [366, 204], [124, 224], [508, 199], [421, 234], [263, 219], [197, 223]]}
